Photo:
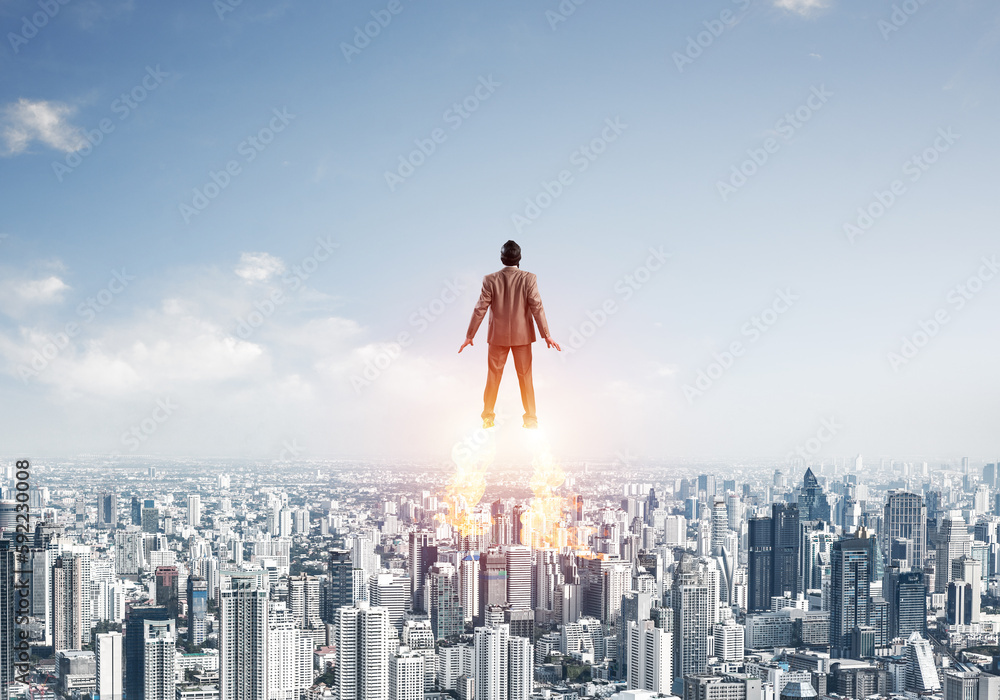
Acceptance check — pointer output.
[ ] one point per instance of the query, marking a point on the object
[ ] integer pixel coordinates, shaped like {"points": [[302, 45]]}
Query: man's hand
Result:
{"points": [[468, 341], [550, 343]]}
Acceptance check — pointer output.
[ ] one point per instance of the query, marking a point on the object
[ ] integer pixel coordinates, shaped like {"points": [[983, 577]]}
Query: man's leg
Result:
{"points": [[522, 363], [496, 358]]}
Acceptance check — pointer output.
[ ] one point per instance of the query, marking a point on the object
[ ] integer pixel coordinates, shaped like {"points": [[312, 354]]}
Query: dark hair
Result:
{"points": [[510, 254]]}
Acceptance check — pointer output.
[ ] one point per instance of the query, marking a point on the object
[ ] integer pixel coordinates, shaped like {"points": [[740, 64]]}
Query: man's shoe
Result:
{"points": [[531, 423], [487, 423]]}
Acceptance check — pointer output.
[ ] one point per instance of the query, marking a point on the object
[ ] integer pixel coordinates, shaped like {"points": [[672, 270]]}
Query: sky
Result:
{"points": [[257, 229]]}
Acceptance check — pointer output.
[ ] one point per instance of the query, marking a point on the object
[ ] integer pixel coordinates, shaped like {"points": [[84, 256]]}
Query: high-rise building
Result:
{"points": [[135, 648], [520, 668], [197, 609], [406, 675], [130, 551], [303, 601], [813, 504], [921, 673], [110, 658], [340, 584], [194, 510], [519, 576], [650, 657], [107, 510], [849, 593], [441, 590], [964, 591], [243, 621], [693, 620], [953, 542], [760, 560], [468, 589], [492, 581], [906, 593], [159, 642], [393, 594], [906, 518], [67, 602], [720, 525], [491, 659], [422, 553], [363, 636], [785, 549], [167, 582], [817, 541], [289, 655]]}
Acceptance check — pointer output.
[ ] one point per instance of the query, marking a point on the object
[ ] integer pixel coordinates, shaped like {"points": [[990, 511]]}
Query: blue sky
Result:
{"points": [[309, 130]]}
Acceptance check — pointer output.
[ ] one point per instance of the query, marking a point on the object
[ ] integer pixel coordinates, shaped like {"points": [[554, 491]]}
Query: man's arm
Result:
{"points": [[538, 312], [478, 313]]}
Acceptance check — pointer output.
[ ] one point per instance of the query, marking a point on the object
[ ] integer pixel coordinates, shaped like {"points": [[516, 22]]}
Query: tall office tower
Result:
{"points": [[167, 582], [520, 526], [7, 616], [503, 530], [468, 589], [953, 542], [393, 594], [650, 657], [906, 517], [492, 581], [492, 657], [418, 636], [422, 553], [107, 510], [289, 656], [813, 504], [406, 675], [729, 640], [817, 539], [548, 575], [129, 552], [151, 519], [340, 585], [690, 602], [906, 593], [760, 560], [720, 525], [617, 580], [520, 668], [706, 484], [135, 649], [303, 600], [363, 638], [785, 549], [674, 529], [964, 591], [441, 590], [159, 641], [734, 511], [197, 608], [243, 643], [110, 659], [849, 593], [921, 673], [67, 603], [136, 511], [519, 577], [194, 510]]}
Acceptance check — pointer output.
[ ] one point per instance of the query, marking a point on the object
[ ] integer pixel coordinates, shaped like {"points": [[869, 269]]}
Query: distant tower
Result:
{"points": [[519, 577], [447, 619], [197, 609], [194, 510], [422, 554], [67, 603], [492, 581], [906, 517], [167, 582], [849, 593]]}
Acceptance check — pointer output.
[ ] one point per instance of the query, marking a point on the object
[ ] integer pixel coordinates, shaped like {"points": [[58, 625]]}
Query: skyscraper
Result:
{"points": [[289, 660], [441, 589], [953, 542], [67, 603], [406, 675], [785, 549], [159, 665], [303, 600], [520, 668], [906, 517], [519, 576], [362, 670], [393, 594], [813, 504], [194, 510], [167, 582], [243, 636], [135, 648], [109, 654], [650, 657], [422, 553], [492, 581], [849, 593], [197, 609], [491, 659], [760, 561], [107, 510], [906, 593]]}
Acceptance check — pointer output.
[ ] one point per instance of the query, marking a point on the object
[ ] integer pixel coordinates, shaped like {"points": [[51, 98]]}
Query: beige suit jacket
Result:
{"points": [[512, 297]]}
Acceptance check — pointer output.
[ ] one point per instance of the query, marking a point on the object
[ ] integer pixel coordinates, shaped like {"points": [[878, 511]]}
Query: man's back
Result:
{"points": [[511, 294]]}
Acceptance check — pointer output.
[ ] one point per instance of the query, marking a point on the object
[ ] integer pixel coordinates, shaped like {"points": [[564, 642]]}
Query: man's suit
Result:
{"points": [[511, 294]]}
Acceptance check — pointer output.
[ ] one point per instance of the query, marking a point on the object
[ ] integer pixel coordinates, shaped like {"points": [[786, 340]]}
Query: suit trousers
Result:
{"points": [[522, 365]]}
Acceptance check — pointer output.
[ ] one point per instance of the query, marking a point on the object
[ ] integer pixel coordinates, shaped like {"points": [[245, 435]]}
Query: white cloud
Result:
{"points": [[25, 121], [802, 7], [20, 295], [42, 291], [259, 267]]}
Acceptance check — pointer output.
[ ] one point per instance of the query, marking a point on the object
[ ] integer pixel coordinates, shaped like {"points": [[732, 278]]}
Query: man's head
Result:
{"points": [[510, 254]]}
